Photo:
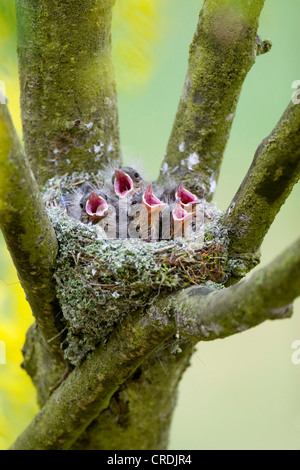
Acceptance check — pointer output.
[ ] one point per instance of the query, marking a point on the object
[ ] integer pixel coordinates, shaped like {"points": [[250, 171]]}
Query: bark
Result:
{"points": [[68, 93], [28, 233], [140, 413], [89, 388], [223, 50]]}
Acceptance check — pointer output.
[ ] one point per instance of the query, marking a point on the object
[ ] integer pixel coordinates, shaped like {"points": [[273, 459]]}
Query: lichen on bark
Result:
{"points": [[68, 92]]}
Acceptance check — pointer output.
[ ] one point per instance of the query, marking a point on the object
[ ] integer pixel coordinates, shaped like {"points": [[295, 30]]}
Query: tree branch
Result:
{"points": [[27, 230], [197, 313], [131, 424], [68, 93], [267, 294], [89, 388], [269, 181], [223, 50]]}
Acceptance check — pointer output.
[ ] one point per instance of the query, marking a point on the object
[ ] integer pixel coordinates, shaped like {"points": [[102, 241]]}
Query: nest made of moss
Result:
{"points": [[100, 281]]}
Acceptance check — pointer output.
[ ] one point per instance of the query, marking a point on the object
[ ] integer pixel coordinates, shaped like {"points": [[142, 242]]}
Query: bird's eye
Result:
{"points": [[134, 202], [136, 175], [81, 205]]}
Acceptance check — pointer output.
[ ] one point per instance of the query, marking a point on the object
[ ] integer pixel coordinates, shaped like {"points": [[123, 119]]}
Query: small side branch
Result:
{"points": [[267, 294], [27, 230], [269, 181], [223, 50], [68, 92]]}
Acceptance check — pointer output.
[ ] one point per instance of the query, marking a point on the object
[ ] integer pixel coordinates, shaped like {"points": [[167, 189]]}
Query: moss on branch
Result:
{"points": [[68, 93], [27, 230], [88, 389], [140, 412], [222, 52], [269, 181]]}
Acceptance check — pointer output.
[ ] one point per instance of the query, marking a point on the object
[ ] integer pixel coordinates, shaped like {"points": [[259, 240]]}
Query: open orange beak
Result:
{"points": [[186, 198], [123, 184], [180, 215], [152, 203], [96, 207]]}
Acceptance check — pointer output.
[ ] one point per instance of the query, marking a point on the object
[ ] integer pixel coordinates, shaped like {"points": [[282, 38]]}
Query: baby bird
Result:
{"points": [[72, 200], [180, 221], [127, 181], [94, 207], [90, 203], [187, 199], [143, 215], [175, 222]]}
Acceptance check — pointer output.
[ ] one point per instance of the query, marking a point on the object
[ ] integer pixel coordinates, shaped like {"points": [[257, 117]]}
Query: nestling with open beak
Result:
{"points": [[180, 221], [179, 193], [94, 207], [127, 182], [90, 203], [143, 215], [175, 222]]}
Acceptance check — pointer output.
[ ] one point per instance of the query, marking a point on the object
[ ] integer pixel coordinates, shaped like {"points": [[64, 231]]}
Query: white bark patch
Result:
{"points": [[110, 148], [212, 184], [181, 147], [98, 148], [192, 160], [89, 125], [165, 168]]}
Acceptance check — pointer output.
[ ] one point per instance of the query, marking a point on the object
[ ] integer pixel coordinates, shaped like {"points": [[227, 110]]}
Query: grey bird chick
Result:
{"points": [[73, 200], [143, 215], [179, 193], [127, 182], [89, 203], [175, 222]]}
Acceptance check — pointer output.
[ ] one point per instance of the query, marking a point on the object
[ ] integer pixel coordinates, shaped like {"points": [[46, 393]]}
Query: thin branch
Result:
{"points": [[223, 50], [27, 229], [197, 313], [68, 92], [267, 294], [269, 181]]}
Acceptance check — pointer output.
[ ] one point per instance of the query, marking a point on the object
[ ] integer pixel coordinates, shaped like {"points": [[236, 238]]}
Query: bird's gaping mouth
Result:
{"points": [[180, 215], [186, 198], [96, 207], [123, 184], [151, 201]]}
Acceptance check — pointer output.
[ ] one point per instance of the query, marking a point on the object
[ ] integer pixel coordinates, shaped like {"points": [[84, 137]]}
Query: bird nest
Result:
{"points": [[100, 281]]}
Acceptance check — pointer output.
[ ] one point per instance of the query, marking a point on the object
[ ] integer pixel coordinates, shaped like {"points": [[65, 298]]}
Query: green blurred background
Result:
{"points": [[241, 392]]}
